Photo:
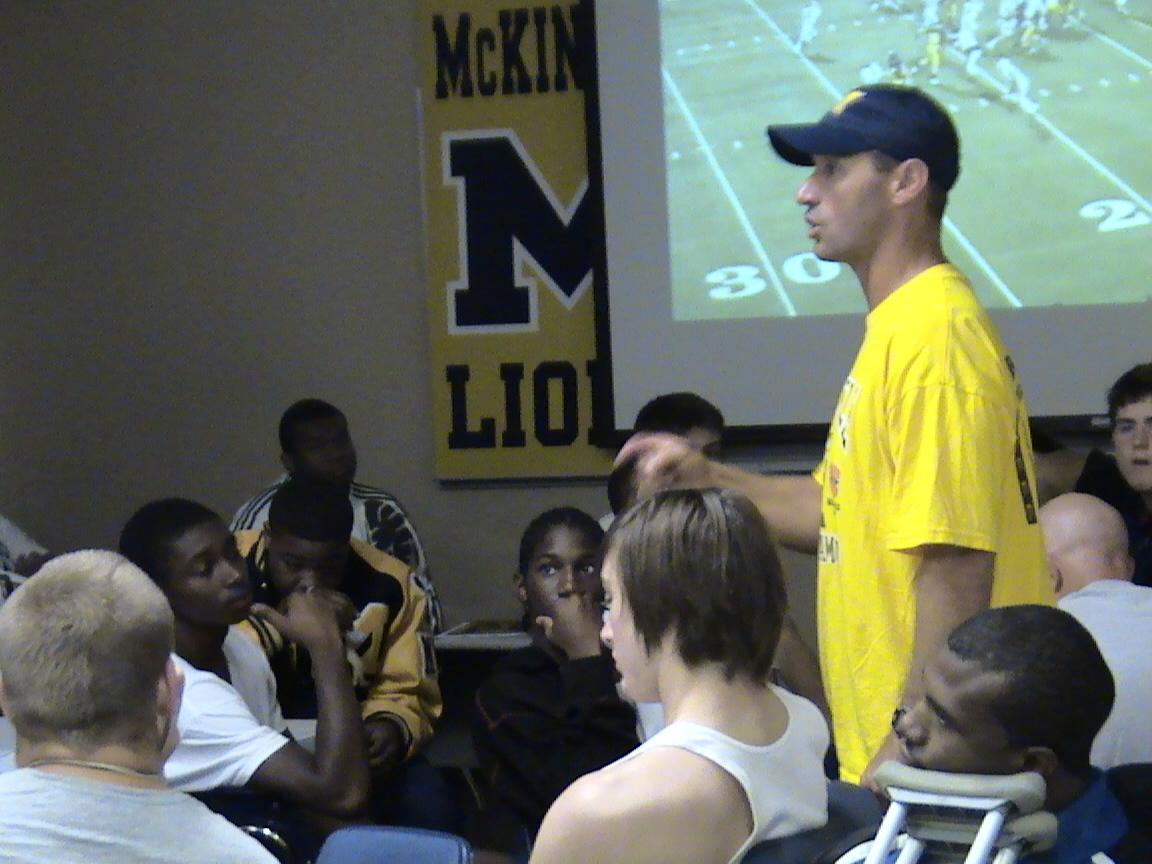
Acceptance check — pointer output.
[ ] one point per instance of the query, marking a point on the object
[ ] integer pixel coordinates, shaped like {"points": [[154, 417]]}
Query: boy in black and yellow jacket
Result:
{"points": [[306, 546]]}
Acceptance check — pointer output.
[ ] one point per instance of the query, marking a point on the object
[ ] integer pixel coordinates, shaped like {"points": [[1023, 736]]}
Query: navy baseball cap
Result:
{"points": [[901, 122]]}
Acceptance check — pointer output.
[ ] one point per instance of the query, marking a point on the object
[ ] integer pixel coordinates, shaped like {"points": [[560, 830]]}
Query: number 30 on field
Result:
{"points": [[744, 280]]}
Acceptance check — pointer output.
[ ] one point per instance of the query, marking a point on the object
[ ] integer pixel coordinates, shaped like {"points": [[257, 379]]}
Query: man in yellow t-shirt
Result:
{"points": [[923, 510]]}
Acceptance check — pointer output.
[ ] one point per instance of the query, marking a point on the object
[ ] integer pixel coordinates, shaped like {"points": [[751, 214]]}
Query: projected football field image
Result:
{"points": [[1053, 104]]}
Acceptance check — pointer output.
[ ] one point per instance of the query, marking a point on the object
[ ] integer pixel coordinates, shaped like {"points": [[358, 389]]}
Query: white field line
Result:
{"points": [[1123, 49], [730, 194], [1098, 166]]}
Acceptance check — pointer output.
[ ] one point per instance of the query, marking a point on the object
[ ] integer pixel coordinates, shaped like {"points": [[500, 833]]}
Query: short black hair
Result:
{"points": [[678, 413], [701, 564], [622, 491], [148, 536], [1058, 690], [1135, 385], [311, 510], [568, 517], [303, 411]]}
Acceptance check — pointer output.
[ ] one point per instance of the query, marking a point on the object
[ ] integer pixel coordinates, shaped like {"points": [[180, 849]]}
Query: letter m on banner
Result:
{"points": [[509, 218]]}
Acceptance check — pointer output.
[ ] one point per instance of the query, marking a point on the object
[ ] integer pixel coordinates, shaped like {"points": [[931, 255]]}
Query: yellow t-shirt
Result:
{"points": [[929, 444]]}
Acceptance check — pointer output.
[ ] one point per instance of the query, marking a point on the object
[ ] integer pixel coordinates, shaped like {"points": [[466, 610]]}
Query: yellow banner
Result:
{"points": [[510, 239]]}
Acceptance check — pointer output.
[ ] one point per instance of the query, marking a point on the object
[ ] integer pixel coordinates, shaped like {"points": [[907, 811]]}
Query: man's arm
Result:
{"points": [[790, 504], [952, 585], [799, 668], [335, 780]]}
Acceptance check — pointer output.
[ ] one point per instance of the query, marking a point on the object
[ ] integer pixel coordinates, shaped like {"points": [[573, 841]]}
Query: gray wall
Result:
{"points": [[208, 210]]}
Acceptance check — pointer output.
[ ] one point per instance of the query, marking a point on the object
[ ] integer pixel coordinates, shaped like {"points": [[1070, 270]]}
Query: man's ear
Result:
{"points": [[521, 588], [170, 689], [1126, 565], [169, 697], [1042, 760], [1057, 577], [910, 179], [287, 461]]}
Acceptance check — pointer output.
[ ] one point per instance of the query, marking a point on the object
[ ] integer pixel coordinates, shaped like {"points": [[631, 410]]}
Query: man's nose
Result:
{"points": [[309, 579], [232, 574], [907, 727], [805, 195]]}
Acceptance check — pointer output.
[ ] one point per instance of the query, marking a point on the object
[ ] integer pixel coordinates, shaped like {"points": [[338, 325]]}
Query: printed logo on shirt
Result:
{"points": [[849, 396], [828, 549], [1015, 378]]}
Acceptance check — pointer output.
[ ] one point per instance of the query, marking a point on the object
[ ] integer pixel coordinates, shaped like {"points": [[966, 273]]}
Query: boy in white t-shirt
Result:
{"points": [[230, 725]]}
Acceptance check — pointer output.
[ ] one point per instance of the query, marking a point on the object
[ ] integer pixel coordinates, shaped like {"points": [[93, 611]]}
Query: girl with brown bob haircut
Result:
{"points": [[695, 602]]}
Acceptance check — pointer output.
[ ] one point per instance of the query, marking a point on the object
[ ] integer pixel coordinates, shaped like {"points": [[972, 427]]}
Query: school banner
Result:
{"points": [[510, 238]]}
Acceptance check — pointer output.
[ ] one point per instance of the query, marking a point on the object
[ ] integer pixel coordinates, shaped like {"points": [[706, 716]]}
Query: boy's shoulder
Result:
{"points": [[666, 804]]}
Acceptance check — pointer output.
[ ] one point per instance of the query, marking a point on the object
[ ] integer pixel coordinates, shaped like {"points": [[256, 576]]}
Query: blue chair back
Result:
{"points": [[377, 844], [854, 814]]}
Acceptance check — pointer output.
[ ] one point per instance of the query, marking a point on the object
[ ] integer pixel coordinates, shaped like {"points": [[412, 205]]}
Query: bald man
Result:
{"points": [[1087, 546]]}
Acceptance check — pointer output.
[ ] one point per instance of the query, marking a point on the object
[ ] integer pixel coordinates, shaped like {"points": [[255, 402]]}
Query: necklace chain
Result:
{"points": [[96, 766]]}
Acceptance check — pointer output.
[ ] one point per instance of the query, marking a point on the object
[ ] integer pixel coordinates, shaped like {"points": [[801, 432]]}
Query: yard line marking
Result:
{"points": [[729, 193], [1007, 293], [787, 40], [1123, 49], [1065, 139]]}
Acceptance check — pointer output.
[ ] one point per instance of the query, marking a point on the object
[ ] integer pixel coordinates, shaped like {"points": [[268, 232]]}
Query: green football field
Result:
{"points": [[1052, 206]]}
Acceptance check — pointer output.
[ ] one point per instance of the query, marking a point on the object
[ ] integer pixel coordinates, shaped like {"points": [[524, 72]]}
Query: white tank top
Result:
{"points": [[783, 781]]}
